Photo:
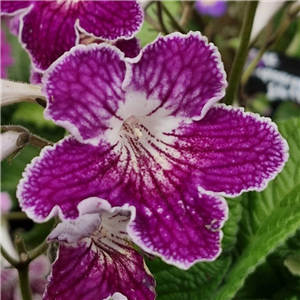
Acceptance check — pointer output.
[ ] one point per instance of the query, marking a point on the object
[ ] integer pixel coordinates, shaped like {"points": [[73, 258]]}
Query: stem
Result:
{"points": [[23, 269], [39, 142], [241, 55], [160, 17], [11, 260], [24, 282], [38, 251], [174, 22], [15, 215], [273, 40], [187, 9]]}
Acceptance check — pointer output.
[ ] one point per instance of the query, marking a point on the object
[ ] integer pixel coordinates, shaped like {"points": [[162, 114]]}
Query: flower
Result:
{"points": [[211, 8], [38, 268], [6, 57], [146, 132], [95, 259], [49, 28]]}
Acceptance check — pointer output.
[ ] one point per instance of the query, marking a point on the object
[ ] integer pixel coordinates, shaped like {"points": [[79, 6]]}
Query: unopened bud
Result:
{"points": [[11, 141], [13, 92]]}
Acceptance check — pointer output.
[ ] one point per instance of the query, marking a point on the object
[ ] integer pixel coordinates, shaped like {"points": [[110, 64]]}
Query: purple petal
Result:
{"points": [[211, 8], [110, 20], [101, 264], [181, 225], [83, 89], [131, 48], [49, 29], [13, 7], [183, 72], [232, 151]]}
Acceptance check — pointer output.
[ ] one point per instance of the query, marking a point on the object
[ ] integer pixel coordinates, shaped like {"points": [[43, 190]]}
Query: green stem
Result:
{"points": [[174, 22], [38, 251], [11, 260], [23, 269], [15, 215], [24, 282], [160, 17], [241, 55], [273, 40]]}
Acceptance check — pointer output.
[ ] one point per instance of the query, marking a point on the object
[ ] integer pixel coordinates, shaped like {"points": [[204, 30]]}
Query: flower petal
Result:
{"points": [[13, 7], [49, 29], [131, 48], [231, 151], [182, 225], [167, 214], [110, 20], [83, 89], [183, 72], [101, 264]]}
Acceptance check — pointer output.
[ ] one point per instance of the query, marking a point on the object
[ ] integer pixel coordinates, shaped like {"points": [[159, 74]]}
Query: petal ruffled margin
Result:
{"points": [[49, 28], [231, 151], [184, 72], [83, 89], [101, 263], [14, 7], [182, 225]]}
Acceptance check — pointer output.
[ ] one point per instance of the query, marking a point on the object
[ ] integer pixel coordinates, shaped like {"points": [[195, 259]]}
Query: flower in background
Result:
{"points": [[6, 55], [38, 268], [95, 259], [146, 132], [49, 28], [211, 8]]}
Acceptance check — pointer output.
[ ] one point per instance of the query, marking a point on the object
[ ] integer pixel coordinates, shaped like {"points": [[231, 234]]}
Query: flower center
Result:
{"points": [[132, 129]]}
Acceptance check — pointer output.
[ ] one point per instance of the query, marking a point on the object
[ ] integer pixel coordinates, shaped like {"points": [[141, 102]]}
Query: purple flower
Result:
{"points": [[147, 133], [211, 8], [38, 269], [6, 55], [49, 28], [95, 259]]}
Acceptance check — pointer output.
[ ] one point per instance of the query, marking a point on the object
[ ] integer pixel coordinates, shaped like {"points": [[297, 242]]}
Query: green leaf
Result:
{"points": [[231, 226], [31, 113], [269, 217], [199, 282], [11, 174]]}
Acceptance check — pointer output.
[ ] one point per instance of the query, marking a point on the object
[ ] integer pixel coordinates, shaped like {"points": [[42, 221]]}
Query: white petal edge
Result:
{"points": [[274, 127]]}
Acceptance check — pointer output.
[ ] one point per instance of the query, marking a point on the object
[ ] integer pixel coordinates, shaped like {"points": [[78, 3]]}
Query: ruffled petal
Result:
{"points": [[99, 265], [168, 215], [183, 72], [110, 20], [179, 223], [231, 151], [13, 7], [50, 28], [83, 89]]}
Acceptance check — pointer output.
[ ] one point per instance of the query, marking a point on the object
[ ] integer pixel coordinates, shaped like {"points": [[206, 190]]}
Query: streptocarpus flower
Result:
{"points": [[146, 133], [211, 8], [49, 28], [96, 260]]}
